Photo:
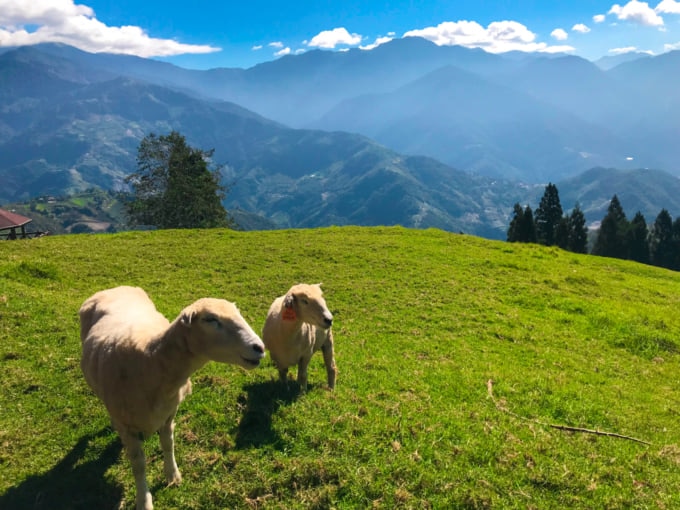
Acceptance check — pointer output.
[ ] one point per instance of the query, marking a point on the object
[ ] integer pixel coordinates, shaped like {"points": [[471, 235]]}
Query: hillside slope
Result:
{"points": [[457, 358]]}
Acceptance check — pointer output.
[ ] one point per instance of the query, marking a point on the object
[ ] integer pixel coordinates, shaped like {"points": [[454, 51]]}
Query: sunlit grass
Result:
{"points": [[424, 319]]}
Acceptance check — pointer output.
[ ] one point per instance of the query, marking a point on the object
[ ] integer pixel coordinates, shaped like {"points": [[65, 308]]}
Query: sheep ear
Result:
{"points": [[289, 300], [187, 317]]}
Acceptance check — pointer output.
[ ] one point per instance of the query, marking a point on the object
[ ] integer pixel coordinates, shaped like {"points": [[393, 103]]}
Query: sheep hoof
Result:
{"points": [[144, 502], [174, 478]]}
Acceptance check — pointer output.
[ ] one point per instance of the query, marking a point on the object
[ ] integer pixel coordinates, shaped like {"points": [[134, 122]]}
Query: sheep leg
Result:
{"points": [[302, 372], [166, 433], [135, 452], [329, 361]]}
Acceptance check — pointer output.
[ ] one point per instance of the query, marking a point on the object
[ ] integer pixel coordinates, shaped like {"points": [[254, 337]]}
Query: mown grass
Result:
{"points": [[424, 319]]}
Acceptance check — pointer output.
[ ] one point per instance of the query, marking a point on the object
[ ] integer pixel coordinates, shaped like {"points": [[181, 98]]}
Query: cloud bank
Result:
{"points": [[497, 37], [28, 22]]}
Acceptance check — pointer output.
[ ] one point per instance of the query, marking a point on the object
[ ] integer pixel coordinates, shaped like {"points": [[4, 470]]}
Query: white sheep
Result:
{"points": [[139, 364], [297, 325]]}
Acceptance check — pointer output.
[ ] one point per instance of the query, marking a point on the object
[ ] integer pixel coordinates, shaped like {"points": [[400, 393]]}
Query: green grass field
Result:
{"points": [[426, 324]]}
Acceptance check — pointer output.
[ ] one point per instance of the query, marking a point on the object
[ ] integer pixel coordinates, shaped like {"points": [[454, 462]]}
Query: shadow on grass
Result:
{"points": [[263, 400], [74, 483]]}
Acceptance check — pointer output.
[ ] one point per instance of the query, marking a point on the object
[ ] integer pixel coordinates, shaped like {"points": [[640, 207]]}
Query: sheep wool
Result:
{"points": [[138, 364], [298, 324]]}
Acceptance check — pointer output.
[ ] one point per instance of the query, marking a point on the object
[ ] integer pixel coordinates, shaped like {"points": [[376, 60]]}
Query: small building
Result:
{"points": [[13, 226]]}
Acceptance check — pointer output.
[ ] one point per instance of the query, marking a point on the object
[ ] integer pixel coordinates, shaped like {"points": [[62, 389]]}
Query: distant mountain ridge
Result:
{"points": [[597, 114], [77, 130], [70, 120]]}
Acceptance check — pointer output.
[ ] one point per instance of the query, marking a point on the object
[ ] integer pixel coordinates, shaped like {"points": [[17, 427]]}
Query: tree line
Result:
{"points": [[617, 237]]}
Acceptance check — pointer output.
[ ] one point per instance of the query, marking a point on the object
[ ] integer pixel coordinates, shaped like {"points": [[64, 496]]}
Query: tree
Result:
{"points": [[577, 231], [174, 188], [562, 233], [676, 244], [548, 216], [611, 239], [521, 229], [661, 251], [638, 245], [513, 229], [527, 228]]}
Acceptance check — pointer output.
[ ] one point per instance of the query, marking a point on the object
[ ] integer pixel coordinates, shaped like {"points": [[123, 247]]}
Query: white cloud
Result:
{"points": [[671, 47], [668, 7], [329, 39], [621, 51], [282, 52], [377, 42], [599, 18], [275, 44], [498, 37], [580, 27], [31, 22], [257, 47], [559, 34], [637, 12]]}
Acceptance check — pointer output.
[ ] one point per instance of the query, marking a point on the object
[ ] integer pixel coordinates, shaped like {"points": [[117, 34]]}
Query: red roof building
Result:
{"points": [[11, 221]]}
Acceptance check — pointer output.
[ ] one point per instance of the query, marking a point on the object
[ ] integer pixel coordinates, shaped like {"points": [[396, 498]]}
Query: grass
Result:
{"points": [[424, 319]]}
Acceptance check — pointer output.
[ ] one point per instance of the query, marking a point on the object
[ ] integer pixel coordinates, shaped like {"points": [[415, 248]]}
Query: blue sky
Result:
{"points": [[202, 34]]}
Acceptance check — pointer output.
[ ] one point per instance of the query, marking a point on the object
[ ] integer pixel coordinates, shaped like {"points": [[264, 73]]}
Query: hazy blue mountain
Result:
{"points": [[70, 120], [73, 135], [475, 123], [626, 117], [610, 61], [644, 190]]}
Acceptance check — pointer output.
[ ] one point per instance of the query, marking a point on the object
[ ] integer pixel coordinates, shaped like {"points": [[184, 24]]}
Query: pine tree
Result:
{"points": [[638, 245], [661, 252], [174, 188], [527, 228], [676, 244], [578, 231], [611, 238], [548, 216], [513, 229], [562, 233]]}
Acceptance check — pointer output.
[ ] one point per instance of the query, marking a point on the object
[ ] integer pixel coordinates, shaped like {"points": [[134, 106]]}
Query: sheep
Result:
{"points": [[138, 364], [297, 325]]}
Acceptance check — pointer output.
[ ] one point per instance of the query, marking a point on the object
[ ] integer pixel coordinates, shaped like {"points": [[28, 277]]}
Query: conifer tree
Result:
{"points": [[611, 239], [513, 229], [173, 187], [638, 245], [661, 252], [577, 231], [676, 244], [562, 233], [548, 216], [527, 228]]}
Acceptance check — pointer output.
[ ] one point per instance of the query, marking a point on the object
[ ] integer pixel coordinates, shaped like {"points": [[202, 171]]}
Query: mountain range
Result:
{"points": [[409, 133]]}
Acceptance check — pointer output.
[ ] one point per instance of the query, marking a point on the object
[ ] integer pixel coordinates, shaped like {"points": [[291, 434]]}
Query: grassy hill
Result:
{"points": [[458, 357]]}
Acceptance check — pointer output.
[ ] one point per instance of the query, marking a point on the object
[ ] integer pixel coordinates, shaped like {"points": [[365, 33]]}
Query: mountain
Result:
{"points": [[624, 117], [75, 130], [475, 123], [644, 190], [610, 61], [71, 120]]}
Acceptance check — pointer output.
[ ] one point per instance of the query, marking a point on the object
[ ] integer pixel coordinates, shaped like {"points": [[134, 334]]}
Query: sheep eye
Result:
{"points": [[211, 319], [305, 301]]}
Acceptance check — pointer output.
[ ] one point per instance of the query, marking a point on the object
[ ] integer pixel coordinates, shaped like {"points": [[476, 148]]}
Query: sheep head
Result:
{"points": [[306, 303], [216, 330]]}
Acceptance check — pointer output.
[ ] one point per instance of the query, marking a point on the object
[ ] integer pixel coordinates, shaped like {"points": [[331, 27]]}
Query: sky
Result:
{"points": [[202, 34]]}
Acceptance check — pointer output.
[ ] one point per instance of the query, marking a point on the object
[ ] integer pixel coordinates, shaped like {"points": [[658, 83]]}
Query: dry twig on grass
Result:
{"points": [[502, 408]]}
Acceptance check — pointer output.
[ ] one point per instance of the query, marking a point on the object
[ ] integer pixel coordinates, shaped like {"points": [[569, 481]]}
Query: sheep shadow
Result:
{"points": [[262, 402], [71, 484]]}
